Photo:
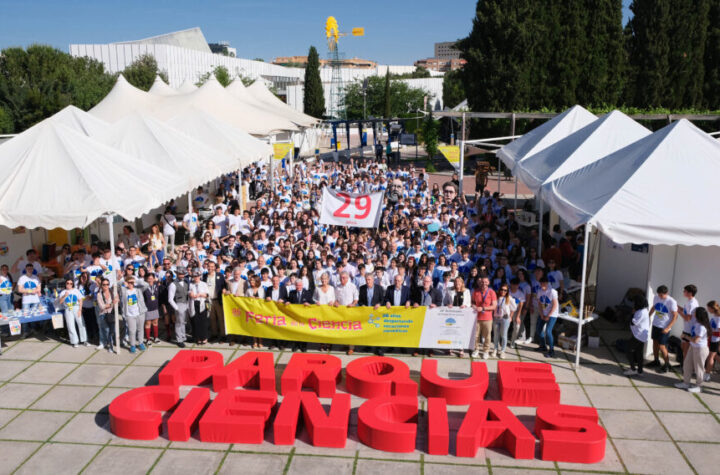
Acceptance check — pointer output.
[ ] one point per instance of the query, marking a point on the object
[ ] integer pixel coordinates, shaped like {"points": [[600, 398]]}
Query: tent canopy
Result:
{"points": [[601, 137], [123, 100], [263, 97], [160, 88], [653, 191], [545, 135], [215, 100], [55, 176], [202, 126], [186, 87], [161, 145], [81, 121]]}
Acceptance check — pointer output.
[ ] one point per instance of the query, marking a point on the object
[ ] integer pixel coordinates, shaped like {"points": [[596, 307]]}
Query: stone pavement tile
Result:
{"points": [[86, 428], [445, 469], [9, 368], [7, 414], [522, 471], [652, 457], [195, 462], [564, 373], [611, 462], [27, 350], [607, 397], [136, 376], [253, 463], [379, 467], [705, 458], [125, 460], [320, 465], [453, 368], [195, 443], [303, 446], [13, 453], [103, 400], [34, 425], [602, 355], [641, 425], [46, 373], [122, 358], [59, 459], [671, 399], [573, 394], [156, 356], [502, 458], [368, 452], [712, 400], [20, 396], [68, 354], [603, 374], [691, 426], [653, 379], [93, 375], [66, 398]]}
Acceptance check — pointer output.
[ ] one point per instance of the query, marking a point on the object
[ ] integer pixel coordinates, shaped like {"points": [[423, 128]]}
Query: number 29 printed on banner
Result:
{"points": [[351, 209]]}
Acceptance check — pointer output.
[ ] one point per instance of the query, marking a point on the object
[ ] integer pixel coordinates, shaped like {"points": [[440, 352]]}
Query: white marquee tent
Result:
{"points": [[186, 87], [123, 100], [81, 121], [159, 88], [262, 97]]}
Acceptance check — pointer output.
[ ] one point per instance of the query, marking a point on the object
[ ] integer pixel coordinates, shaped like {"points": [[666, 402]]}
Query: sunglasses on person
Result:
{"points": [[503, 289]]}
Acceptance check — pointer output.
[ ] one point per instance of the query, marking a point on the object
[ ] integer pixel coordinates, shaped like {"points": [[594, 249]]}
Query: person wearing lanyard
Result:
{"points": [[547, 299], [151, 295], [689, 292], [506, 307], [484, 302]]}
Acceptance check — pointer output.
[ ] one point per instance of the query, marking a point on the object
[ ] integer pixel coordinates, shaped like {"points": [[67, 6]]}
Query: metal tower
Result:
{"points": [[335, 109]]}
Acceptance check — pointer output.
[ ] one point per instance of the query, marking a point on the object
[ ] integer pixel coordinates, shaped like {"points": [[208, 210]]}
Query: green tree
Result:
{"points": [[141, 73], [314, 98], [453, 88], [6, 123], [37, 82], [403, 98], [388, 107], [711, 86], [222, 75], [429, 134]]}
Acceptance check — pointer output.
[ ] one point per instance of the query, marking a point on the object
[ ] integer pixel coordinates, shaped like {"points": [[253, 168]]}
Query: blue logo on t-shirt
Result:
{"points": [[132, 299], [660, 307], [30, 285], [544, 299], [71, 300], [5, 286]]}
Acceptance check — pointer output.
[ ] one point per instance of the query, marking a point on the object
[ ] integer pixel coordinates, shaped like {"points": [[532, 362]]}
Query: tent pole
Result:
{"points": [[499, 171], [583, 282], [115, 291], [540, 228], [240, 190], [190, 201], [462, 166], [515, 205]]}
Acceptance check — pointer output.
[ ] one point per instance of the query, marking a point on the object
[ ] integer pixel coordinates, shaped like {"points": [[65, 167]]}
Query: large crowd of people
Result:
{"points": [[434, 246]]}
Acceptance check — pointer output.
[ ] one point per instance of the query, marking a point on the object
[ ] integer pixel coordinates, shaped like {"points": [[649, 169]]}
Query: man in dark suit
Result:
{"points": [[427, 296], [299, 295], [216, 285], [398, 294], [277, 292], [370, 295]]}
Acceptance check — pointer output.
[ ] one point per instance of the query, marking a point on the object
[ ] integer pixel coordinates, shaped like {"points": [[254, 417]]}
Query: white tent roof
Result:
{"points": [[237, 143], [601, 137], [54, 176], [214, 99], [259, 94], [658, 190], [186, 87], [123, 100], [80, 121], [159, 88], [161, 145], [545, 135]]}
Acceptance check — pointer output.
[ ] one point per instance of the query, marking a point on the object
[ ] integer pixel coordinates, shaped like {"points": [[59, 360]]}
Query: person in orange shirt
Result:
{"points": [[484, 302]]}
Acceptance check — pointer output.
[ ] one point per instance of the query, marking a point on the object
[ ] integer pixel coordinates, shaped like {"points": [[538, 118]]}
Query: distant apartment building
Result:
{"points": [[442, 65], [301, 61], [446, 50]]}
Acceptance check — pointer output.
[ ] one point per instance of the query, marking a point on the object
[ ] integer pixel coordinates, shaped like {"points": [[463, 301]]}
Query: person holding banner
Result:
{"points": [[300, 295], [199, 293]]}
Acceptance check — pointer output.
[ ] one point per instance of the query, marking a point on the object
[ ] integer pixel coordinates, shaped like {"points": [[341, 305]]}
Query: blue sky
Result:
{"points": [[396, 32]]}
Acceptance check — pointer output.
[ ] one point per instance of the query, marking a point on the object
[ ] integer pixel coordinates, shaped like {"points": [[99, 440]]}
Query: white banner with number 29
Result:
{"points": [[351, 209]]}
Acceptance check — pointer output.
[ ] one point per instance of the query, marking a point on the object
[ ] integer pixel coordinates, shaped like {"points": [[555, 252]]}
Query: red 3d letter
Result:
{"points": [[184, 419], [320, 372], [570, 434], [456, 391], [527, 384], [375, 376], [438, 426], [237, 416], [190, 368], [254, 369], [388, 423], [491, 424], [137, 414], [325, 430]]}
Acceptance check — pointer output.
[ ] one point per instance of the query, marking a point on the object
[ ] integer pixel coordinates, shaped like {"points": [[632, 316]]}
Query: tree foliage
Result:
{"points": [[387, 97], [141, 73], [453, 88], [403, 98], [711, 86], [39, 81], [314, 98], [429, 134]]}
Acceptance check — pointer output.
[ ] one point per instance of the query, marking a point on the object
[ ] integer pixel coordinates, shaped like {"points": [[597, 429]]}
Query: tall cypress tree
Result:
{"points": [[314, 99], [711, 86], [687, 49], [387, 95]]}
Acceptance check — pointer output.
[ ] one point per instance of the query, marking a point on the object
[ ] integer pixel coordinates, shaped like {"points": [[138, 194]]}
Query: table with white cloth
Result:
{"points": [[569, 318]]}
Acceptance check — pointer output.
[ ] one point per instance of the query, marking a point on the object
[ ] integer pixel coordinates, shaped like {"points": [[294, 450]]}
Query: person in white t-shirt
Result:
{"points": [[547, 298], [518, 295], [686, 313], [640, 328], [714, 310], [71, 300], [170, 225], [6, 285], [29, 286], [220, 221], [190, 223], [665, 314], [694, 363]]}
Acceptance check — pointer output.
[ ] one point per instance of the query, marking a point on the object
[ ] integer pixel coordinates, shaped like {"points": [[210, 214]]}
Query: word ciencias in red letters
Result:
{"points": [[388, 420]]}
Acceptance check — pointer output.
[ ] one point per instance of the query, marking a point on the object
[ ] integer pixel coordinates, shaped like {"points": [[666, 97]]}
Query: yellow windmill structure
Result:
{"points": [[333, 34]]}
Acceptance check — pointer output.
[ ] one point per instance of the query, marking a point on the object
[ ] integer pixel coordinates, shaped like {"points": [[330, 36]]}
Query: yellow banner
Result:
{"points": [[365, 326], [451, 152], [281, 150]]}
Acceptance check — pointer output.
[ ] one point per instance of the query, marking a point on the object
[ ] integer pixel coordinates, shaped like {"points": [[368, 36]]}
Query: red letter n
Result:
{"points": [[325, 430]]}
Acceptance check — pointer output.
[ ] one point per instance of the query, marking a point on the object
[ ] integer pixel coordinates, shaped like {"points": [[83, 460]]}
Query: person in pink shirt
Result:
{"points": [[484, 302]]}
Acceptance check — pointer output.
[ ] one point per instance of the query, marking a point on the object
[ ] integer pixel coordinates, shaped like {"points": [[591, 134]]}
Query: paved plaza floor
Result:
{"points": [[54, 419]]}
